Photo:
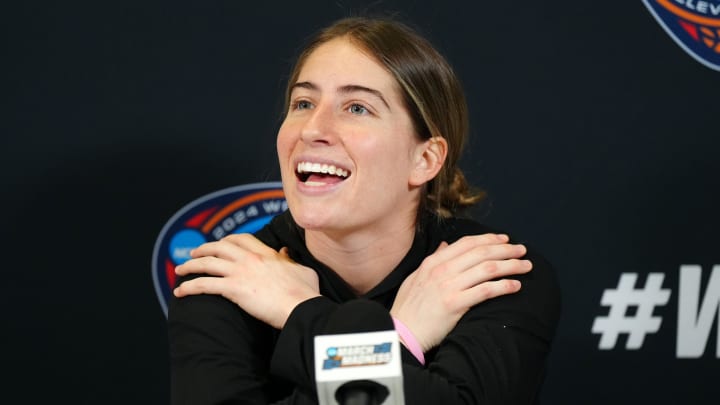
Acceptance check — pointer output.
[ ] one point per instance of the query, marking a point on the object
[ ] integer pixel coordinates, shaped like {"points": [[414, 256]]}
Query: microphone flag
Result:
{"points": [[371, 359]]}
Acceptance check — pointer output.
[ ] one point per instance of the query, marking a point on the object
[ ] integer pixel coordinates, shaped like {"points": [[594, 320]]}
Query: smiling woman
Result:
{"points": [[375, 123], [354, 119]]}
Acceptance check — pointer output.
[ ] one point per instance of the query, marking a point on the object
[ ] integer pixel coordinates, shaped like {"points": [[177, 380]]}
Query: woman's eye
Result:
{"points": [[358, 109], [303, 105]]}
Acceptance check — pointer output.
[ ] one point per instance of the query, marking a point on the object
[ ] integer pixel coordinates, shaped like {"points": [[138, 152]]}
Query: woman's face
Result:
{"points": [[347, 147]]}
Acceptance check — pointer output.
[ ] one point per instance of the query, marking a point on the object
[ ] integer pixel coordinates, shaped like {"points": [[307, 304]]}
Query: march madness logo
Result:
{"points": [[240, 209], [360, 355], [693, 24]]}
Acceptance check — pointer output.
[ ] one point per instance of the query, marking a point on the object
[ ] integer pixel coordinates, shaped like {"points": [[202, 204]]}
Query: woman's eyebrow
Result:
{"points": [[351, 88], [346, 89], [303, 85]]}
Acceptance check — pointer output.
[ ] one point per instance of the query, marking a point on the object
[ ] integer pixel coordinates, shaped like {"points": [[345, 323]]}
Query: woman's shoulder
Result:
{"points": [[542, 279], [453, 228], [280, 231], [537, 305]]}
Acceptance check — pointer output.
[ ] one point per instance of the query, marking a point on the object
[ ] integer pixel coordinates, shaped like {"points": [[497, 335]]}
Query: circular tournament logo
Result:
{"points": [[694, 25], [240, 209]]}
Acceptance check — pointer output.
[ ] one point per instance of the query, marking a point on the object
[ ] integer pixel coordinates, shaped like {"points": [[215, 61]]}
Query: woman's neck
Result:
{"points": [[362, 259]]}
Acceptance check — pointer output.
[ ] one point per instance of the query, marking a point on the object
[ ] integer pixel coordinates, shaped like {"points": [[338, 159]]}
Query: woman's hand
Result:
{"points": [[454, 278], [265, 283]]}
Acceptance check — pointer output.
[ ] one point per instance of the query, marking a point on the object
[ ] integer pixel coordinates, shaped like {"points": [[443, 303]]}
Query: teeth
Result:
{"points": [[308, 167]]}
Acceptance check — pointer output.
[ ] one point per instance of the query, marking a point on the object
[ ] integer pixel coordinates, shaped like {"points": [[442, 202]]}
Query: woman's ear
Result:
{"points": [[429, 159]]}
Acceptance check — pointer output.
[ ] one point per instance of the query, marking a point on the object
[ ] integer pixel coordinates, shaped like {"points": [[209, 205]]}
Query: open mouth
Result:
{"points": [[320, 173]]}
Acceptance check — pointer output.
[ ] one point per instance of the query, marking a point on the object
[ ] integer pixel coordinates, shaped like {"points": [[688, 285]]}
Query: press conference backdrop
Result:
{"points": [[594, 132]]}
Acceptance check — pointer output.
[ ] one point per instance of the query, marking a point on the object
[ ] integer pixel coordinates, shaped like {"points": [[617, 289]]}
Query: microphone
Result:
{"points": [[359, 365]]}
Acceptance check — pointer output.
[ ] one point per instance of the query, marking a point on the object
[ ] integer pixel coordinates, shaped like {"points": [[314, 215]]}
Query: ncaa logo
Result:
{"points": [[693, 24], [240, 209]]}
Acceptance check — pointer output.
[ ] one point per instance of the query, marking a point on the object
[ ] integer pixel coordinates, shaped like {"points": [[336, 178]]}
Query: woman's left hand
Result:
{"points": [[266, 283]]}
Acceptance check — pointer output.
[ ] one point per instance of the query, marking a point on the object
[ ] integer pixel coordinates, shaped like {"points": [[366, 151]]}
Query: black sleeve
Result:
{"points": [[218, 353], [293, 356], [294, 359]]}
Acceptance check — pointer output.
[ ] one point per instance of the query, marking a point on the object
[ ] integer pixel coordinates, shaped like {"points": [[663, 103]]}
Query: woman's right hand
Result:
{"points": [[454, 278], [266, 283]]}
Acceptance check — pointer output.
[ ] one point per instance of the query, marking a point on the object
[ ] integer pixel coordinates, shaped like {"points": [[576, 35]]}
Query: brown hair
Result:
{"points": [[432, 94]]}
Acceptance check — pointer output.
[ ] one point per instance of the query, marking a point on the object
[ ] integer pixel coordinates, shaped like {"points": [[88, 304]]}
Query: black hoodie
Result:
{"points": [[495, 355]]}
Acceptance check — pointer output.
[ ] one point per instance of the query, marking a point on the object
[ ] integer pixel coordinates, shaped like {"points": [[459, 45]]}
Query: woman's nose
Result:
{"points": [[320, 126]]}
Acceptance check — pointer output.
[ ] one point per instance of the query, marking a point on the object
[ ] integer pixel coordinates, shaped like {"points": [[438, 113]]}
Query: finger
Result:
{"points": [[477, 256], [200, 285], [222, 249], [249, 242], [204, 265], [486, 291], [233, 247], [491, 270], [465, 244], [284, 252]]}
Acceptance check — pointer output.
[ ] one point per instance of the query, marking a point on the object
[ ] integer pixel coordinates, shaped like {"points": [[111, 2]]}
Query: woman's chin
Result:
{"points": [[311, 220]]}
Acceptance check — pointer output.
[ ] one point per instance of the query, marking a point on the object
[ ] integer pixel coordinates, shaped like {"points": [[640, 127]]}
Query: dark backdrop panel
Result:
{"points": [[594, 134]]}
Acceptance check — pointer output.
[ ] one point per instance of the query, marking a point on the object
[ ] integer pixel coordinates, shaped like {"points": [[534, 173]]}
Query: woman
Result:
{"points": [[368, 152]]}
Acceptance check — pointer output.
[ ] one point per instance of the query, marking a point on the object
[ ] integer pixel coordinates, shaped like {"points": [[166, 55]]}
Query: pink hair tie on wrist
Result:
{"points": [[408, 339]]}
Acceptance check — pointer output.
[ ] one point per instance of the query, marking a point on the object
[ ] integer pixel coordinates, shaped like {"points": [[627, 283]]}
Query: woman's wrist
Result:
{"points": [[407, 338]]}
